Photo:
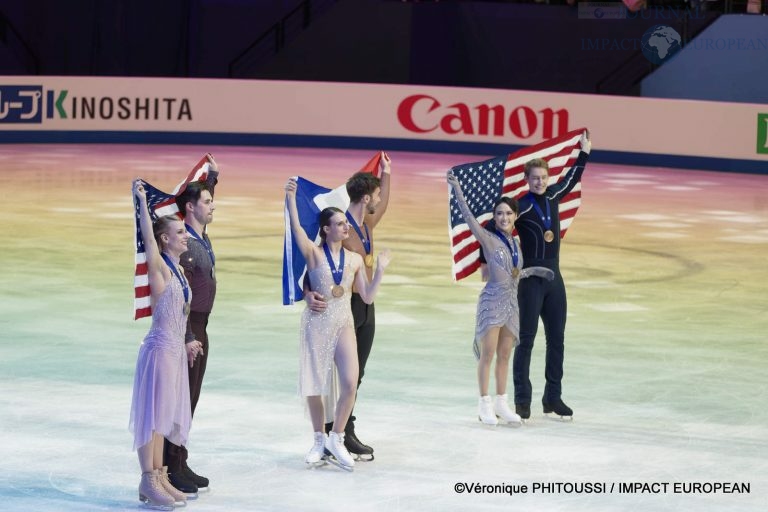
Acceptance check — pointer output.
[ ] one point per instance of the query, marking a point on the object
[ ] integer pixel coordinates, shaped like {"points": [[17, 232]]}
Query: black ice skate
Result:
{"points": [[524, 411], [355, 447], [200, 481], [558, 408], [180, 481]]}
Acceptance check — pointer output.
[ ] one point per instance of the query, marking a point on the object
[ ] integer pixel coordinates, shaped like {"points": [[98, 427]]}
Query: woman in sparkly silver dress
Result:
{"points": [[498, 317], [328, 337]]}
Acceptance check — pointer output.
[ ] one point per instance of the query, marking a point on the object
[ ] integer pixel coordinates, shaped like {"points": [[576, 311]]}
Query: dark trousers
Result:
{"points": [[176, 456], [364, 316], [538, 297]]}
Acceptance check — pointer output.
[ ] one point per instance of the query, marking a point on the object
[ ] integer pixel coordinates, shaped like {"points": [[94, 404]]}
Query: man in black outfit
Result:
{"points": [[539, 229], [196, 205]]}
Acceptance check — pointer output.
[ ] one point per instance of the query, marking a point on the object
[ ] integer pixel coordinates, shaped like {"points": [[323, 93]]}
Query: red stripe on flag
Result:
{"points": [[466, 251], [468, 270], [142, 312], [141, 291], [458, 238]]}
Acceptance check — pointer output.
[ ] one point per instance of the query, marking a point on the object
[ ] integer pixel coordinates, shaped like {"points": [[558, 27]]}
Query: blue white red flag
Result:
{"points": [[311, 199], [484, 182]]}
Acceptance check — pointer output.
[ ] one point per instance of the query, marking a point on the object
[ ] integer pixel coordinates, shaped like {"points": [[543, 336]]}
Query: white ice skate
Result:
{"points": [[339, 454], [485, 411], [504, 413], [316, 456]]}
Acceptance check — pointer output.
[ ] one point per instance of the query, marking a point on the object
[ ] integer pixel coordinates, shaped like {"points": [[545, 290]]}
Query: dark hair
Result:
{"points": [[512, 203], [161, 225], [536, 162], [324, 218], [360, 184], [191, 194], [491, 224]]}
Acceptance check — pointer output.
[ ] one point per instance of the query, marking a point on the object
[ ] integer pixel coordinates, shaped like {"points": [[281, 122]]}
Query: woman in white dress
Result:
{"points": [[328, 337]]}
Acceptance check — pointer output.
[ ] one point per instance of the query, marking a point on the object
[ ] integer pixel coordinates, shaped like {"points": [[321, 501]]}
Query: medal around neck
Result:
{"points": [[512, 252], [337, 274], [366, 240], [182, 280], [546, 220]]}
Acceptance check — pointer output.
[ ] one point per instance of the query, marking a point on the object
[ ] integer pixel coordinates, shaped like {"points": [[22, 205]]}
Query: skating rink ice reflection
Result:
{"points": [[665, 344]]}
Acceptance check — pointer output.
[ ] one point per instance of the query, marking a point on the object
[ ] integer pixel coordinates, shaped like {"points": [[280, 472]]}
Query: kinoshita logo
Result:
{"points": [[32, 104]]}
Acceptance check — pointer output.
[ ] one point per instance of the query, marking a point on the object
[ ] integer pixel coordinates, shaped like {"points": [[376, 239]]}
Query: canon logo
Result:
{"points": [[422, 113]]}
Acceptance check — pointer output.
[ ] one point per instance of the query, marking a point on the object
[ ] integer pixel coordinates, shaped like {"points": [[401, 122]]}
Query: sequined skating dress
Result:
{"points": [[161, 383], [320, 331], [497, 305]]}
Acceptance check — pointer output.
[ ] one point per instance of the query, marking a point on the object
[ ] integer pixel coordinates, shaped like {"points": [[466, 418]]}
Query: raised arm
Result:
{"points": [[157, 271], [213, 175], [366, 289], [306, 246], [477, 229], [385, 164], [569, 181]]}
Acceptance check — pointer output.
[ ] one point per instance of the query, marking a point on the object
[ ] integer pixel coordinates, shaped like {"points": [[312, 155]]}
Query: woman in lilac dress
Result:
{"points": [[160, 406]]}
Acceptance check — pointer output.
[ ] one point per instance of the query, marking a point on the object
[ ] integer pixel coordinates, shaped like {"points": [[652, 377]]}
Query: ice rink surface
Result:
{"points": [[665, 345]]}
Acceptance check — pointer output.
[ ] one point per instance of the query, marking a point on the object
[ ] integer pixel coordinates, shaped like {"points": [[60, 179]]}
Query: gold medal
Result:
{"points": [[368, 260], [515, 272], [186, 309], [548, 236], [337, 291]]}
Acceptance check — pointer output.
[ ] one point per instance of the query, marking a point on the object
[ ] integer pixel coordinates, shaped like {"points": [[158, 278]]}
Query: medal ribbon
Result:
{"points": [[182, 280], [512, 247], [336, 274], [204, 242], [547, 221], [365, 239]]}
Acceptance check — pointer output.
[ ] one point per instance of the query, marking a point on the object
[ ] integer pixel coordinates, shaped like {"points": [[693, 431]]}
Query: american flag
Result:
{"points": [[160, 204], [484, 182]]}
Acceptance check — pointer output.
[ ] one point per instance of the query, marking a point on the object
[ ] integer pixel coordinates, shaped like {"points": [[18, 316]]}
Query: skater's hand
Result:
{"points": [[290, 188], [382, 261], [315, 301], [212, 162], [586, 142], [385, 164], [452, 180], [194, 349], [138, 190]]}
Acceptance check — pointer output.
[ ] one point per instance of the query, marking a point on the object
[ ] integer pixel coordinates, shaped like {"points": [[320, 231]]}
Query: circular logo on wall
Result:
{"points": [[660, 43]]}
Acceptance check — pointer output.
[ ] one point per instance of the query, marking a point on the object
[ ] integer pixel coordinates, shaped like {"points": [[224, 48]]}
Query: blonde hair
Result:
{"points": [[533, 164], [162, 225]]}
